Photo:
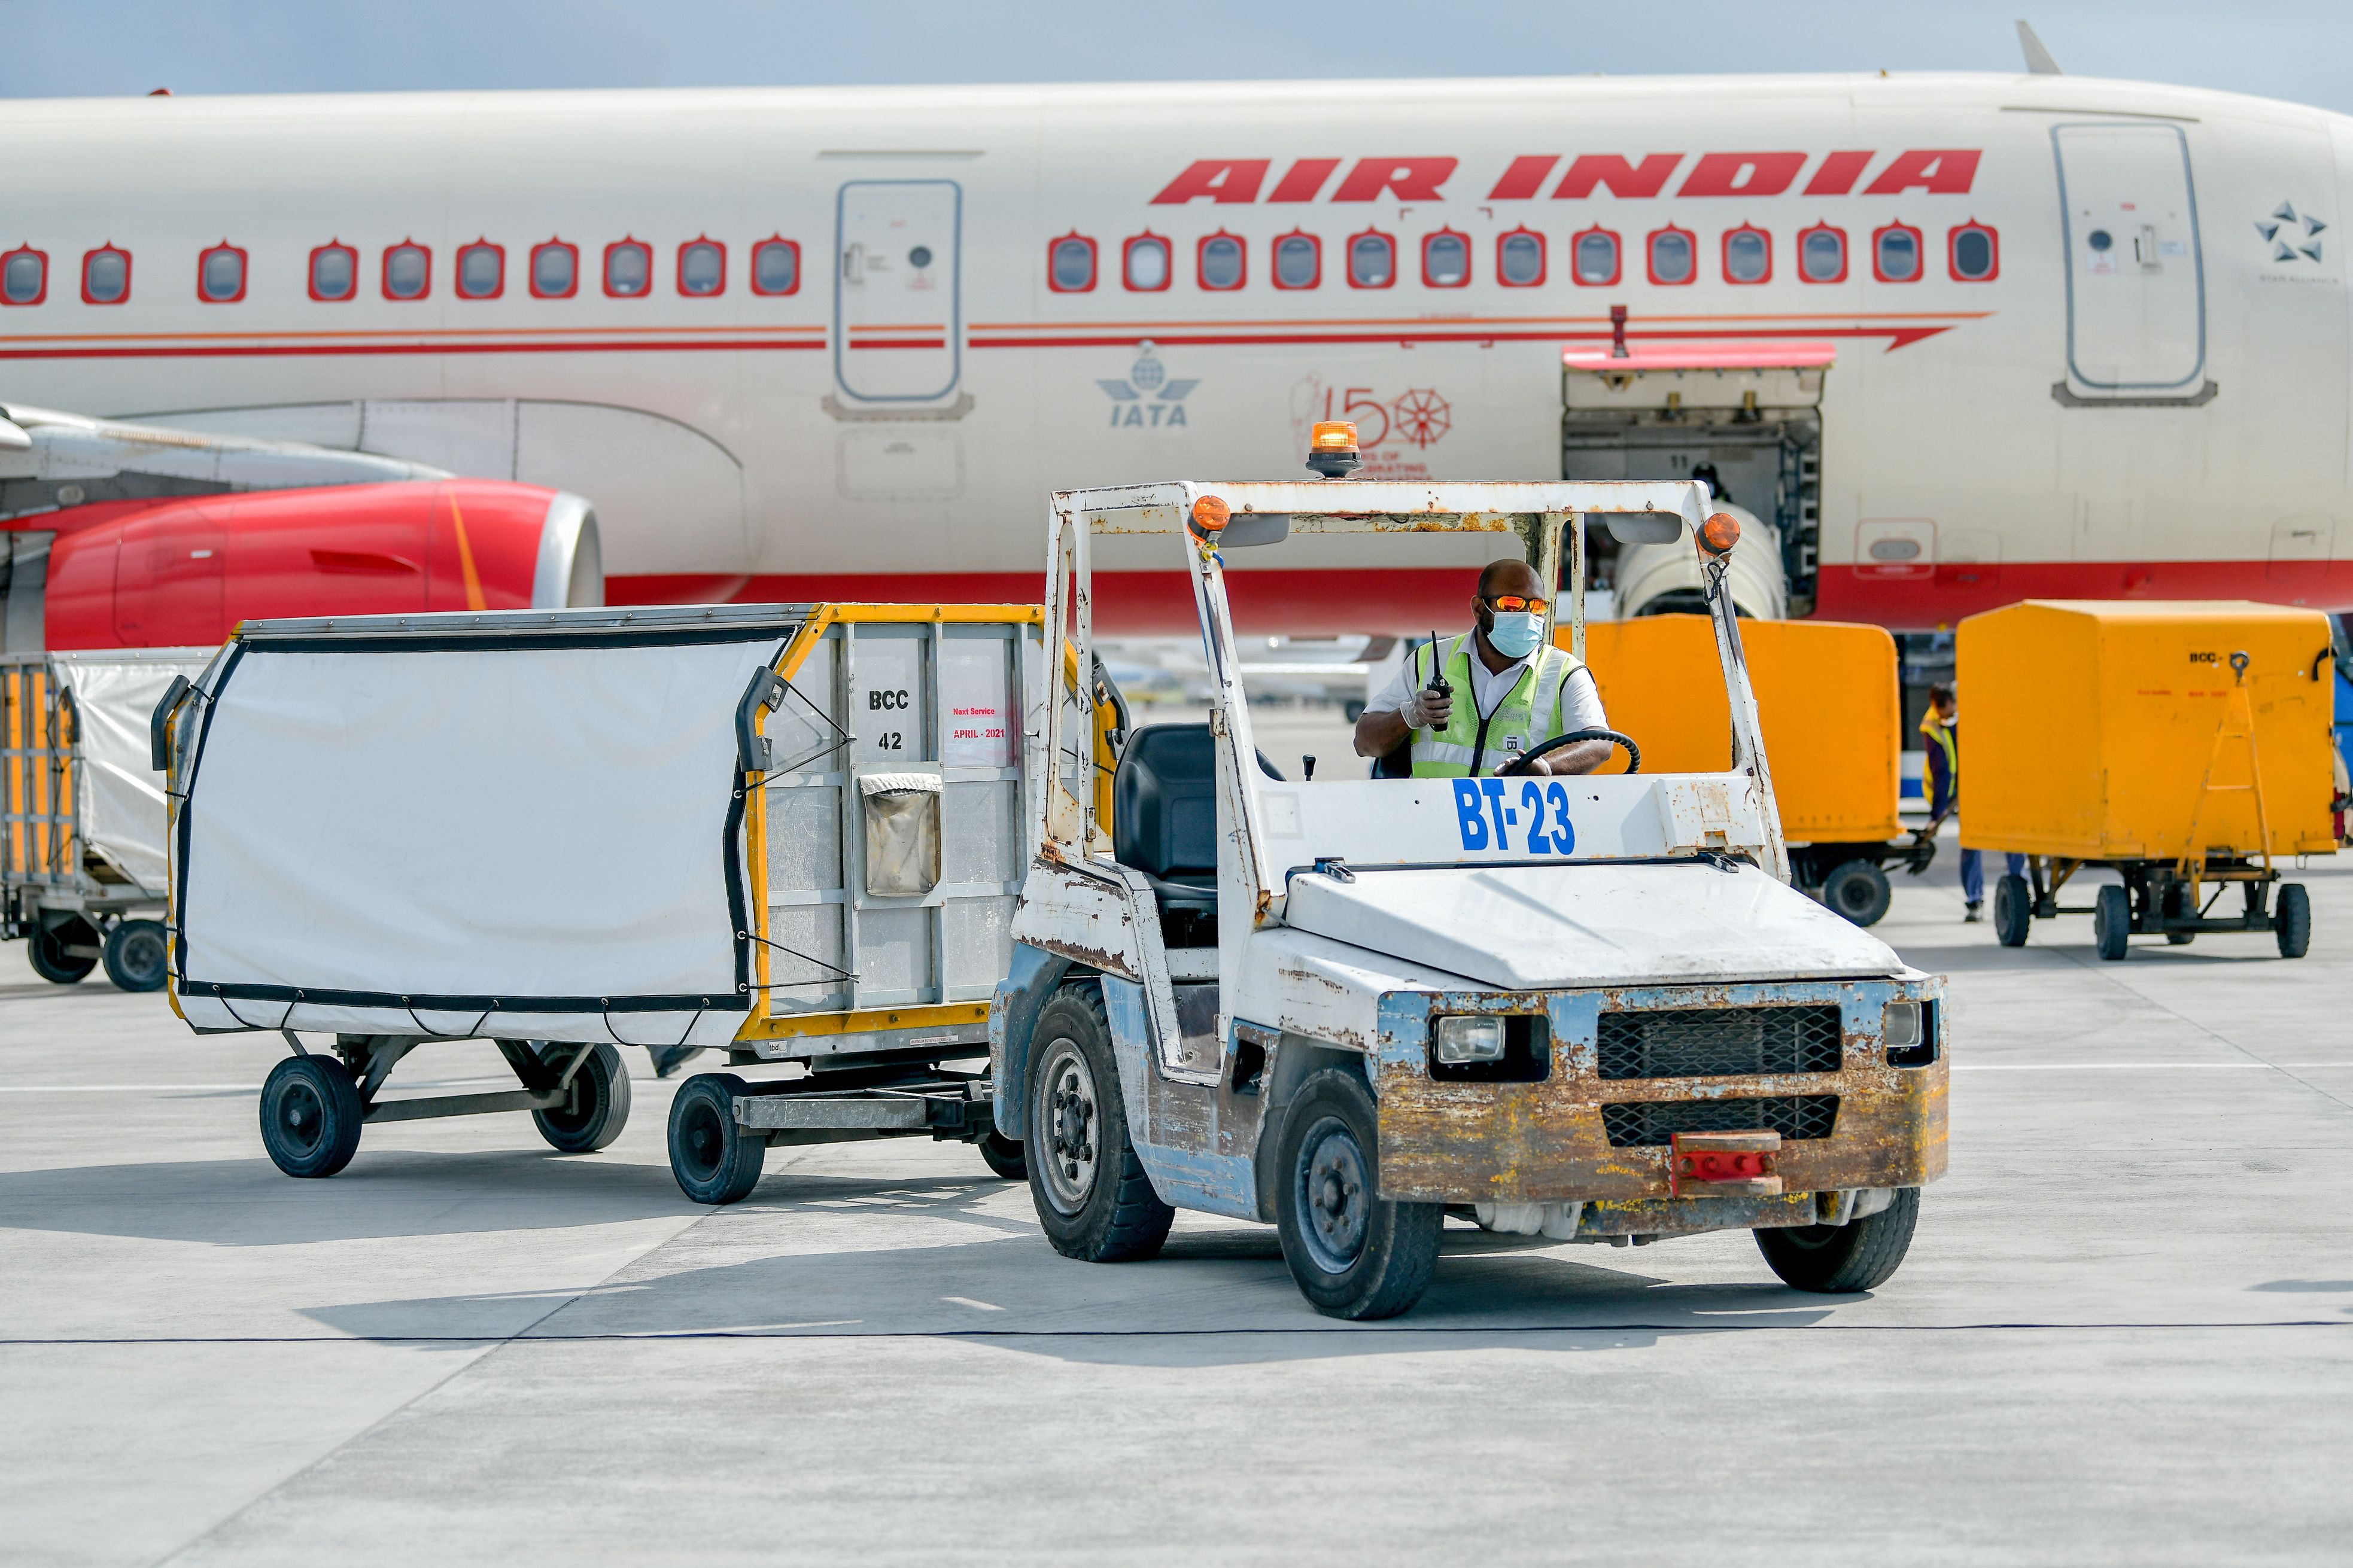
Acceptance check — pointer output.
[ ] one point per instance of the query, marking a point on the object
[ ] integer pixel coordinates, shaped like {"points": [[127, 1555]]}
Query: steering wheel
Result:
{"points": [[1633, 751]]}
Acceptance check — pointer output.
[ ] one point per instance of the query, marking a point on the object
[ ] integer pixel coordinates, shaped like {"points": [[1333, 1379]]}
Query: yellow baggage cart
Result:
{"points": [[1827, 695], [2184, 746]]}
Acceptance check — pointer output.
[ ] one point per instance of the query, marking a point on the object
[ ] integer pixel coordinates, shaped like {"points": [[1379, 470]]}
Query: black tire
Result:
{"points": [[715, 1161], [1353, 1253], [2013, 910], [2111, 922], [2292, 920], [138, 955], [310, 1114], [46, 948], [1006, 1156], [599, 1107], [1094, 1199], [1859, 890], [2180, 938], [1836, 1259]]}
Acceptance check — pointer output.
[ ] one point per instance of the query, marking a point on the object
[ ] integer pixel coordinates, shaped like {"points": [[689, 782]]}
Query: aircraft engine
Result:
{"points": [[183, 571], [1664, 579]]}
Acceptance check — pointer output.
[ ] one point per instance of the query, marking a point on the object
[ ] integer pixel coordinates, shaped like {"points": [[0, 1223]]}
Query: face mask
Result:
{"points": [[1515, 633]]}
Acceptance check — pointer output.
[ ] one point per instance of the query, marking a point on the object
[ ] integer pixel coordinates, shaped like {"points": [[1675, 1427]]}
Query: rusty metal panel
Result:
{"points": [[1549, 1141]]}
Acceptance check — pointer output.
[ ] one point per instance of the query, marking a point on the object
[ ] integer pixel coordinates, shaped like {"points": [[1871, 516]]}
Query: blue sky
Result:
{"points": [[102, 46]]}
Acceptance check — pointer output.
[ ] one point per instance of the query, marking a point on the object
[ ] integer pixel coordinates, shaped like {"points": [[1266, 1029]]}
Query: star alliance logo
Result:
{"points": [[1149, 398], [2290, 235]]}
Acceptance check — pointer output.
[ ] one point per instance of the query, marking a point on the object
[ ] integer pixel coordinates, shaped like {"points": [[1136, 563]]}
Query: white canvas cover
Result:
{"points": [[121, 796], [507, 833]]}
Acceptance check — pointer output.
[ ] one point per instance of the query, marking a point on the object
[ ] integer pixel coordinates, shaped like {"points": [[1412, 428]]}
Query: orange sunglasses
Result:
{"points": [[1512, 603]]}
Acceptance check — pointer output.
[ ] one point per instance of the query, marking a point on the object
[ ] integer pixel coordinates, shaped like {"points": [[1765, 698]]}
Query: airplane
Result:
{"points": [[1951, 340]]}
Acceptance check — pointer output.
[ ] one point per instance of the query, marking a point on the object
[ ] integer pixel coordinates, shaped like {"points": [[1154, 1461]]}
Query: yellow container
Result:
{"points": [[1826, 694], [2087, 727]]}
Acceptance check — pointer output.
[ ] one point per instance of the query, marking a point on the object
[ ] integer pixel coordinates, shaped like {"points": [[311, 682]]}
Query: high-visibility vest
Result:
{"points": [[1940, 735], [1471, 745]]}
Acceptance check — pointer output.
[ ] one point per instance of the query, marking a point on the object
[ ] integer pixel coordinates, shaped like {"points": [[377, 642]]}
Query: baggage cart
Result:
{"points": [[82, 812], [1833, 716], [2184, 746], [791, 832]]}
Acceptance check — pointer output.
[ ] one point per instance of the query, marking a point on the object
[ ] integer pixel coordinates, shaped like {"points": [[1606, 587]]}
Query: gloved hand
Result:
{"points": [[1924, 851], [1427, 709]]}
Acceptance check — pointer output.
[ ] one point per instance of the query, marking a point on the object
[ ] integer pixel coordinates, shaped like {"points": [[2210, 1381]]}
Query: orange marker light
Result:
{"points": [[1210, 514], [1335, 436], [1719, 534]]}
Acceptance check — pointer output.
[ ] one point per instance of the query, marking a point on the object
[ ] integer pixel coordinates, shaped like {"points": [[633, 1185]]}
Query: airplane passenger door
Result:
{"points": [[896, 317], [2136, 277]]}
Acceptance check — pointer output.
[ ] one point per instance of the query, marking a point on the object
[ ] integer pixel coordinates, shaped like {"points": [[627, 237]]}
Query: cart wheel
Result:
{"points": [[1353, 1253], [1859, 890], [310, 1114], [2292, 920], [1005, 1156], [2112, 922], [1834, 1259], [2180, 938], [46, 948], [715, 1161], [600, 1100], [2013, 910], [1095, 1202], [138, 955]]}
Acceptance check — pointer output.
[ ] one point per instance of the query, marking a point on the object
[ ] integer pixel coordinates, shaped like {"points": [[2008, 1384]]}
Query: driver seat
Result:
{"points": [[1165, 825]]}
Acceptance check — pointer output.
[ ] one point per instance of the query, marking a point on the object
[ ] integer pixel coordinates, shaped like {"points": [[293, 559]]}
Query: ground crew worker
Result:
{"points": [[1941, 725], [1504, 695]]}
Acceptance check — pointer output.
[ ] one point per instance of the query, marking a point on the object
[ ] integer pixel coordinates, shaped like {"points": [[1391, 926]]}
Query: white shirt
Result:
{"points": [[1580, 700]]}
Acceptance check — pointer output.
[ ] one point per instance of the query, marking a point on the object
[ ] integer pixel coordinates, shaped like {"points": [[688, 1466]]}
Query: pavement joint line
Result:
{"points": [[497, 1342]]}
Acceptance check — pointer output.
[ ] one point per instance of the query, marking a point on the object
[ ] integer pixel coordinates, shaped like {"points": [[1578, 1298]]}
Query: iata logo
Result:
{"points": [[2294, 235], [1149, 398]]}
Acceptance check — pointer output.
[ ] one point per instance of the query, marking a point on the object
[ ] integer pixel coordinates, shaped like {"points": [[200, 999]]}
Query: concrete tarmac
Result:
{"points": [[2124, 1332]]}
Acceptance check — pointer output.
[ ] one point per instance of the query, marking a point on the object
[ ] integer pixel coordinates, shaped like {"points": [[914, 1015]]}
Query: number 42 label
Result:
{"points": [[1485, 822]]}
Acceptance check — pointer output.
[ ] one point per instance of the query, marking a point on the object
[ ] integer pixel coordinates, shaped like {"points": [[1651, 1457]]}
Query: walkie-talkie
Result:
{"points": [[1438, 685]]}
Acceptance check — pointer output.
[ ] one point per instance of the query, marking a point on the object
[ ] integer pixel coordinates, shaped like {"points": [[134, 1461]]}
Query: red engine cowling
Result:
{"points": [[181, 572]]}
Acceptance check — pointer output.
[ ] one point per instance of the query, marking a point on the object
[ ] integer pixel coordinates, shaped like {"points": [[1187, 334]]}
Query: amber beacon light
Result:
{"points": [[1332, 450], [1719, 534], [1210, 515]]}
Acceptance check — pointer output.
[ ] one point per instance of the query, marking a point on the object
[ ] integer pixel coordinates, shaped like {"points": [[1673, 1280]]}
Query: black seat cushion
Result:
{"points": [[1164, 812]]}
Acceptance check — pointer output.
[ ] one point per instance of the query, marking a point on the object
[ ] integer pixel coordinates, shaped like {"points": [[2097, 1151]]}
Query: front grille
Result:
{"points": [[1792, 1116], [1706, 1042]]}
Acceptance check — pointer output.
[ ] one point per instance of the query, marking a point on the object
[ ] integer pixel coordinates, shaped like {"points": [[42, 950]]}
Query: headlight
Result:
{"points": [[1900, 1024], [1479, 1039]]}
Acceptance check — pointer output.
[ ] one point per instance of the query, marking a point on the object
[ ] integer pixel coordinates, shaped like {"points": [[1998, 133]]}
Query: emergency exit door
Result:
{"points": [[2136, 278], [896, 322]]}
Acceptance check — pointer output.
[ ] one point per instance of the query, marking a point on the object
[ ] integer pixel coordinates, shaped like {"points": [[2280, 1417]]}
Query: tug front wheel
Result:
{"points": [[1094, 1201], [1352, 1254], [1838, 1259]]}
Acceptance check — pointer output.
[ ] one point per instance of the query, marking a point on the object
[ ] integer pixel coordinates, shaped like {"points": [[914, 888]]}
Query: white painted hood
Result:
{"points": [[1532, 928]]}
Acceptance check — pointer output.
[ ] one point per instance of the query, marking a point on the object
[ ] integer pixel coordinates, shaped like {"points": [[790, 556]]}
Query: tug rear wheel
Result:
{"points": [[1094, 1201], [1353, 1253], [599, 1106], [310, 1113], [1836, 1259]]}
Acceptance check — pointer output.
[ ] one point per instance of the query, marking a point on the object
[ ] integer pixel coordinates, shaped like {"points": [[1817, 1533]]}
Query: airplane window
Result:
{"points": [[1372, 261], [702, 267], [1821, 256], [220, 274], [1070, 265], [1221, 262], [1747, 256], [481, 270], [1298, 261], [1597, 257], [25, 276], [1975, 255], [1445, 260], [1895, 254], [1147, 263], [1520, 260], [775, 266], [407, 272], [629, 269], [334, 271], [1671, 256], [554, 270], [106, 275]]}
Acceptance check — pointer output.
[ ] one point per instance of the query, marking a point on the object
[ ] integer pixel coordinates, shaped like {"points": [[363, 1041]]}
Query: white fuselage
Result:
{"points": [[2143, 388]]}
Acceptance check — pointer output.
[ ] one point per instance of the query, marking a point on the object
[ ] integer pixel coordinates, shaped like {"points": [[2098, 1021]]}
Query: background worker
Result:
{"points": [[1502, 694], [1941, 725]]}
